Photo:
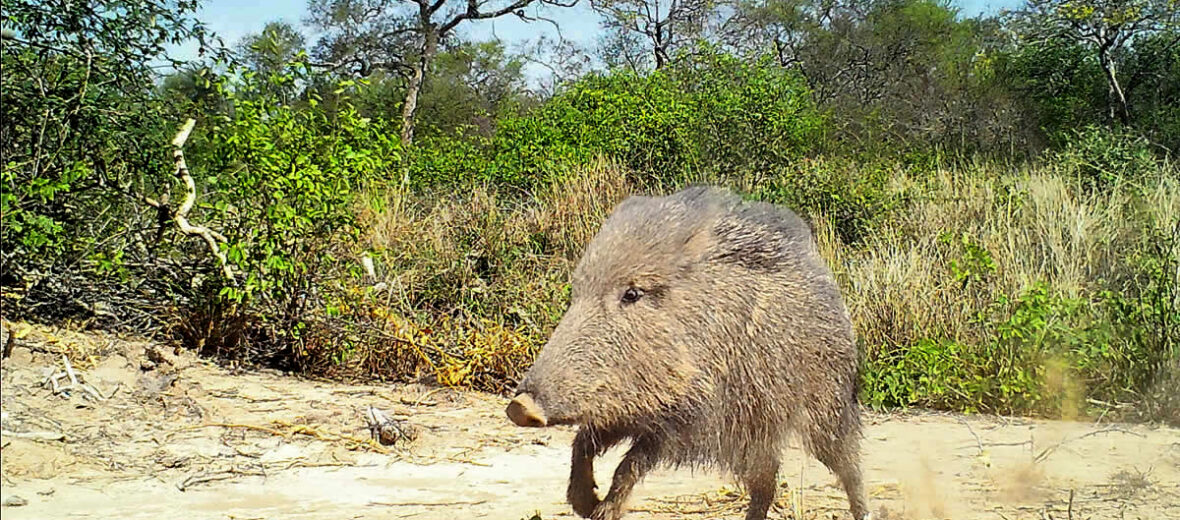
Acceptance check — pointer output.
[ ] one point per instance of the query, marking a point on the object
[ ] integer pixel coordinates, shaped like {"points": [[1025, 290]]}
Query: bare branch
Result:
{"points": [[180, 216]]}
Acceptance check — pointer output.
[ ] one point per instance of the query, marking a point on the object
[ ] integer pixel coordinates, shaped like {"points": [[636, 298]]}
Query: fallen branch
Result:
{"points": [[69, 370], [428, 504], [213, 477], [264, 429]]}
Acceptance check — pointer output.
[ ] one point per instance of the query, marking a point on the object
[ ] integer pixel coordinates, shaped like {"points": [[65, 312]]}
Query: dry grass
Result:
{"points": [[475, 281], [1035, 227]]}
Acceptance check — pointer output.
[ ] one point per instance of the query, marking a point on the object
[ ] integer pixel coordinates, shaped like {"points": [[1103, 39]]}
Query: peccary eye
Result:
{"points": [[632, 295]]}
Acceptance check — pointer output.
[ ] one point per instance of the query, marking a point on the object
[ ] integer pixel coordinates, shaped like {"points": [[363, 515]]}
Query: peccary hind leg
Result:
{"points": [[841, 455], [760, 483], [588, 444], [640, 459]]}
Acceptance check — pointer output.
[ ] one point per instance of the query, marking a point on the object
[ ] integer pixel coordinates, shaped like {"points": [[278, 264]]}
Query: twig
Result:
{"points": [[1049, 451], [1069, 510], [89, 389], [978, 441], [428, 504], [225, 475], [69, 370], [419, 402], [36, 436], [271, 431]]}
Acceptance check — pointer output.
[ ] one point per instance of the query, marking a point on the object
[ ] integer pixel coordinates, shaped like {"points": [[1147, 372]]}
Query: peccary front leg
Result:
{"points": [[640, 459], [589, 443]]}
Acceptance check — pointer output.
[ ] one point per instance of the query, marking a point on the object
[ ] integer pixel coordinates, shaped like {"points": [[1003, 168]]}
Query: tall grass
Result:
{"points": [[991, 286], [469, 282]]}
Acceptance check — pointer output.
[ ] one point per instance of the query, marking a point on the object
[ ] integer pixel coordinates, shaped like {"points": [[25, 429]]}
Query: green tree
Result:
{"points": [[641, 32], [470, 85], [272, 49], [907, 72], [1104, 29]]}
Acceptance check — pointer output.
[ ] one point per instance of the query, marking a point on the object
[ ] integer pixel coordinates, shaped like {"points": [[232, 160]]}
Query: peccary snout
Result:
{"points": [[524, 411]]}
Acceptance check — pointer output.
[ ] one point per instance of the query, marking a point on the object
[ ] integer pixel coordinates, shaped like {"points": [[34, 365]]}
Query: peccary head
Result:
{"points": [[642, 306]]}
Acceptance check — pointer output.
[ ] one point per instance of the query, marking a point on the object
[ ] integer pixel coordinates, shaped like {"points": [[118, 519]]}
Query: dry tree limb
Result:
{"points": [[978, 441], [180, 216], [231, 473], [264, 429]]}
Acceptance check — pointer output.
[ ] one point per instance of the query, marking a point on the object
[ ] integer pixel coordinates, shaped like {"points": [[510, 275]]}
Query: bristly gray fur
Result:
{"points": [[739, 337]]}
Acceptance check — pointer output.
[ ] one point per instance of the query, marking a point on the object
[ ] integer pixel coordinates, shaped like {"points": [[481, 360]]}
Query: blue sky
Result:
{"points": [[233, 19]]}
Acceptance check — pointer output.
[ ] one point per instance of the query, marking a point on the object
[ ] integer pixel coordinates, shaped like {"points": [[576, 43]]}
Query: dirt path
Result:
{"points": [[191, 440]]}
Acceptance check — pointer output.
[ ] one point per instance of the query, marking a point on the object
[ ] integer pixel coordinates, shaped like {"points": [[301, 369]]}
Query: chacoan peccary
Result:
{"points": [[704, 329]]}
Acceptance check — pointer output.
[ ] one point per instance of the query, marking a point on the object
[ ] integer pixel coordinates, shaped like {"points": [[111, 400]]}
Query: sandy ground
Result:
{"points": [[166, 434]]}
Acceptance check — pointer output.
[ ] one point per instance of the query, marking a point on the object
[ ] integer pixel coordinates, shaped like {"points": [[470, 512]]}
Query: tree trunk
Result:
{"points": [[1118, 99], [414, 87]]}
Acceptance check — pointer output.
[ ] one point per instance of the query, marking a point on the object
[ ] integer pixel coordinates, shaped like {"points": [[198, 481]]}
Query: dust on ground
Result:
{"points": [[141, 431]]}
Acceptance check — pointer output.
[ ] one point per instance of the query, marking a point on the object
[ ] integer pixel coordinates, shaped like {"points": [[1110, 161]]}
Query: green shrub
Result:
{"points": [[83, 138], [282, 182], [852, 197], [1101, 156], [712, 113]]}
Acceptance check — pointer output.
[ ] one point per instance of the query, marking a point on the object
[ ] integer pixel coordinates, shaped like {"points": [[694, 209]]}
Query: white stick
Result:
{"points": [[69, 370]]}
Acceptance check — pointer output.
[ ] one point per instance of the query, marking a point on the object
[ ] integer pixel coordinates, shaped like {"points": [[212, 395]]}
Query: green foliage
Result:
{"points": [[843, 112], [975, 265], [712, 113], [283, 181], [854, 198], [1060, 85], [1041, 346], [83, 138], [1099, 157]]}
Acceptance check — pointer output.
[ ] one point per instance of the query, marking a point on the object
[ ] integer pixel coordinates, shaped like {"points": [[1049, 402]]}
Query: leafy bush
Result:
{"points": [[282, 183], [83, 137], [853, 198], [1042, 351], [712, 113], [1100, 156]]}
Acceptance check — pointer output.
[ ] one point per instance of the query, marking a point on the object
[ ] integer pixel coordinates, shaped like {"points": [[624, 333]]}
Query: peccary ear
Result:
{"points": [[749, 245]]}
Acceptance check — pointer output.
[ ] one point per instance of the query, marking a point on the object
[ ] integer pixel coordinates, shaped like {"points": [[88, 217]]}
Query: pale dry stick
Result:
{"points": [[428, 504], [422, 400], [180, 216], [70, 370], [92, 391], [978, 441], [224, 475], [36, 436], [264, 429]]}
